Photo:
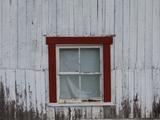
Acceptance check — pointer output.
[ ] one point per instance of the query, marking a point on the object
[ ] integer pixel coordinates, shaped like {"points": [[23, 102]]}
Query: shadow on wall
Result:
{"points": [[10, 110]]}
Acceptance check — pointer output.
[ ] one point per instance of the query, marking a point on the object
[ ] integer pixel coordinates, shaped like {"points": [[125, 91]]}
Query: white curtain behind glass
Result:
{"points": [[80, 86], [69, 60], [89, 58]]}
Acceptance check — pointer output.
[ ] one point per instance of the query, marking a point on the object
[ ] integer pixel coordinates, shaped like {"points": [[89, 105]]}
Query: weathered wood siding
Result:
{"points": [[24, 24]]}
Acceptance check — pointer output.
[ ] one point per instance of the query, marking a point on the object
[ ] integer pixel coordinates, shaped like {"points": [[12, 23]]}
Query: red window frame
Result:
{"points": [[105, 41]]}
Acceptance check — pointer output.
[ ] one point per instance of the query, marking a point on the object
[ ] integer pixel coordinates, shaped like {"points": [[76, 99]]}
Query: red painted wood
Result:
{"points": [[106, 41], [52, 74], [79, 40], [107, 73]]}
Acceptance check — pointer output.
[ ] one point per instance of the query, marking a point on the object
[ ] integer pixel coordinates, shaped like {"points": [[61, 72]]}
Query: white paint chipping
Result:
{"points": [[135, 58]]}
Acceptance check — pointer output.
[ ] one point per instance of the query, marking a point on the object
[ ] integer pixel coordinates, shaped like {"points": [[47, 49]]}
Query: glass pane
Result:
{"points": [[90, 60], [69, 86], [90, 86], [68, 60]]}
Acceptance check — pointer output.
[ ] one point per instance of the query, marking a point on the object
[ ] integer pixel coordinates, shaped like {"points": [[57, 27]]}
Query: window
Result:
{"points": [[79, 72], [79, 69]]}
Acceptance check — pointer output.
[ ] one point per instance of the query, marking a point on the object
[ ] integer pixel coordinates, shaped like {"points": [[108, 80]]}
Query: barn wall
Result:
{"points": [[24, 24]]}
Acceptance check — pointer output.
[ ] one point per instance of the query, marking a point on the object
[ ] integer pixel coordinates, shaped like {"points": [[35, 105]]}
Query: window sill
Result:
{"points": [[84, 104]]}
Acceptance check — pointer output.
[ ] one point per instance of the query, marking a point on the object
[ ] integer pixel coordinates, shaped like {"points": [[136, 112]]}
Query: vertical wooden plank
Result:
{"points": [[45, 25], [21, 94], [30, 34], [125, 85], [39, 36], [45, 16], [131, 90], [137, 94], [158, 90], [40, 91], [59, 13], [140, 78], [100, 17], [109, 14], [155, 84], [65, 17], [2, 74], [143, 94], [141, 34], [18, 88], [51, 113], [93, 19], [13, 34], [140, 65], [86, 17], [133, 34], [5, 37], [158, 86], [10, 84], [125, 44], [148, 91], [23, 90], [22, 36], [118, 32], [149, 34], [3, 101], [148, 56], [97, 112], [71, 17], [125, 59], [45, 28], [52, 17], [86, 112], [78, 17], [47, 86], [103, 15], [73, 113], [1, 11], [9, 34], [43, 92], [11, 96], [127, 93], [118, 92], [156, 35], [1, 77], [110, 26], [31, 90], [113, 86]]}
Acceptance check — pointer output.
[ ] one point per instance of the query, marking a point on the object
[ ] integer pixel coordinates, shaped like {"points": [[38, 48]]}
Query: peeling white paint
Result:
{"points": [[24, 24]]}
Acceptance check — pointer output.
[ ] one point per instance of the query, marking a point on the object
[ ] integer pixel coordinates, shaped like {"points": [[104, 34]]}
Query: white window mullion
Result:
{"points": [[77, 73]]}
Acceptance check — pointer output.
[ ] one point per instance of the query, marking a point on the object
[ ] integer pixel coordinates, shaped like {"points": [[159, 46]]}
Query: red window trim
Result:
{"points": [[105, 41]]}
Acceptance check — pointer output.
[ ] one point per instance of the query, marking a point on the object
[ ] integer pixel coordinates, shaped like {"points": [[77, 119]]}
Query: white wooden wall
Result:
{"points": [[24, 24]]}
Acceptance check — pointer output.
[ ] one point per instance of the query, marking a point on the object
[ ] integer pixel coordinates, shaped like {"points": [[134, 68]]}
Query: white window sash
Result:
{"points": [[58, 73]]}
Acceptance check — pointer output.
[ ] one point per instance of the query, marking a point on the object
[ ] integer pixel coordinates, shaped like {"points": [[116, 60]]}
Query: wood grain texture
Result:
{"points": [[135, 58], [1, 33], [22, 34], [156, 35]]}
